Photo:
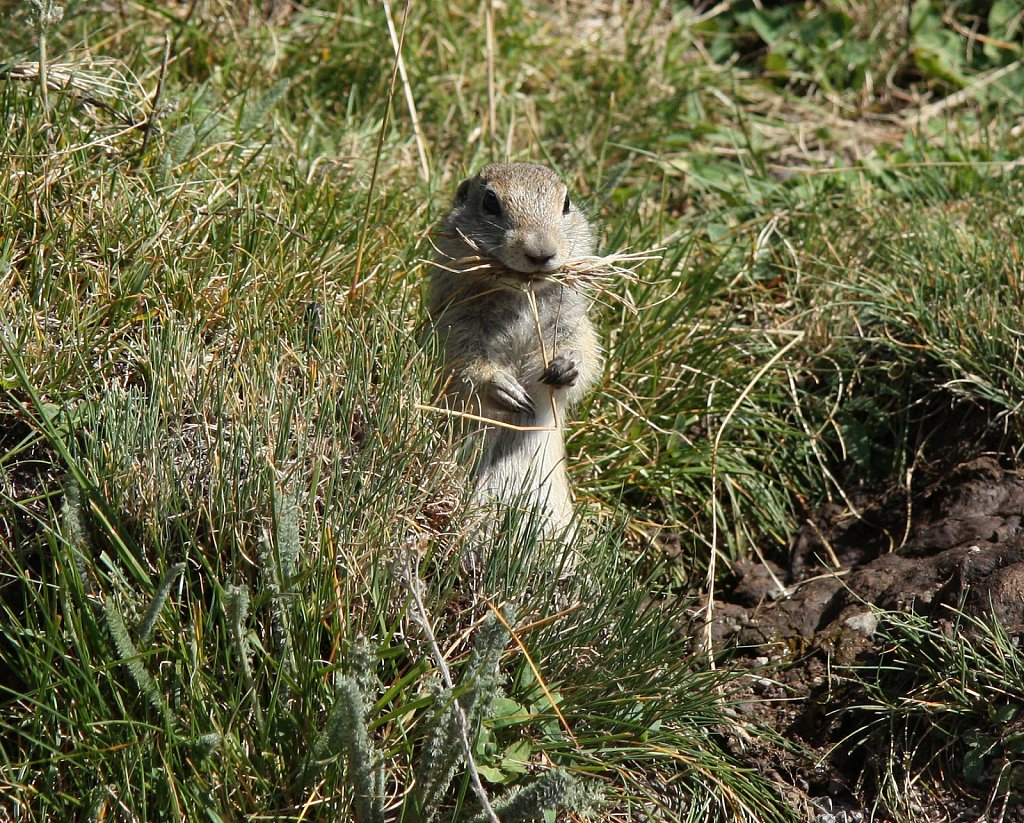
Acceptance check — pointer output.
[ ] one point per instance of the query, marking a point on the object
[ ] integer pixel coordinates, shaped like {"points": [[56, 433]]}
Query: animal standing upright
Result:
{"points": [[519, 348]]}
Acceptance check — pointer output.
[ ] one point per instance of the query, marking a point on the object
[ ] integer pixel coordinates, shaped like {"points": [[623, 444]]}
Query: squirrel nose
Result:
{"points": [[539, 259], [539, 248]]}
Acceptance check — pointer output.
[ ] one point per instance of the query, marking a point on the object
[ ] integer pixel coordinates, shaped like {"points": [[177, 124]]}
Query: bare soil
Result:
{"points": [[958, 543]]}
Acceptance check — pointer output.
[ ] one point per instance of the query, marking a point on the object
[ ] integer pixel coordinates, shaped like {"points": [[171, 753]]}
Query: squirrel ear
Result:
{"points": [[463, 193]]}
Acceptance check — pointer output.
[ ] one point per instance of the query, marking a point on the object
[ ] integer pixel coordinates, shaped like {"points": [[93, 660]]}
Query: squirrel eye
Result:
{"points": [[491, 203], [566, 204]]}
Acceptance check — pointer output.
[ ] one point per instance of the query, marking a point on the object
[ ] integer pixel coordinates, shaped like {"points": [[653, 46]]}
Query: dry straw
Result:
{"points": [[602, 276]]}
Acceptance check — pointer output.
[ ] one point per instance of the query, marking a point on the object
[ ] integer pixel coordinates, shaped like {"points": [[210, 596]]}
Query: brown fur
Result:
{"points": [[518, 224]]}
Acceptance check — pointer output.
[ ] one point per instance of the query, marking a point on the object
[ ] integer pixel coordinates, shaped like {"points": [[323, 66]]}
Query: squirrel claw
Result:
{"points": [[507, 392], [561, 372]]}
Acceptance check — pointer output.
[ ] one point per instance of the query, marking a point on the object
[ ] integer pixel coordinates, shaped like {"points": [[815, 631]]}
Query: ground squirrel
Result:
{"points": [[519, 348]]}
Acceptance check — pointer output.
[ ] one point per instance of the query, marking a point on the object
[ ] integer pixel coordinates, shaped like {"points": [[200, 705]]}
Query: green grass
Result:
{"points": [[213, 462], [946, 699]]}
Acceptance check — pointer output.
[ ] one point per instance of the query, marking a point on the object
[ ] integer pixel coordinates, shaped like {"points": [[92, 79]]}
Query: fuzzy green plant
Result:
{"points": [[156, 604], [442, 747], [548, 792], [237, 614], [48, 15], [345, 735], [130, 657], [439, 754], [279, 556], [76, 529]]}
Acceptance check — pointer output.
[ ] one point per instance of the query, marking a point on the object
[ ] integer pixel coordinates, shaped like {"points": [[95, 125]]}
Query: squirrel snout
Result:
{"points": [[540, 259], [539, 249]]}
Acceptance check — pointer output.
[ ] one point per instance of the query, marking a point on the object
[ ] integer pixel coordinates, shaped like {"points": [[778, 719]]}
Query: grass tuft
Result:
{"points": [[944, 699]]}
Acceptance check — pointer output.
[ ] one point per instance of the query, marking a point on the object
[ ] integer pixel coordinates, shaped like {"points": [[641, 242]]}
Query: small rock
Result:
{"points": [[865, 623]]}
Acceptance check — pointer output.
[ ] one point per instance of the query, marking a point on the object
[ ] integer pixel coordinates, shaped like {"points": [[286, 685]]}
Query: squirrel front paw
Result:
{"points": [[509, 394], [562, 371]]}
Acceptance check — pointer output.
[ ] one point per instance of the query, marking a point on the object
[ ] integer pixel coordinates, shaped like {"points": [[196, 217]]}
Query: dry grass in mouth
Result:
{"points": [[600, 275]]}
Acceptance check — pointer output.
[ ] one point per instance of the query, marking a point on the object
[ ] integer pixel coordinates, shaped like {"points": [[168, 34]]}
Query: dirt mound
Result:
{"points": [[955, 550]]}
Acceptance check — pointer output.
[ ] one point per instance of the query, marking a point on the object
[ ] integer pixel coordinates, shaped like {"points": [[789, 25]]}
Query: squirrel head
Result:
{"points": [[519, 215]]}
